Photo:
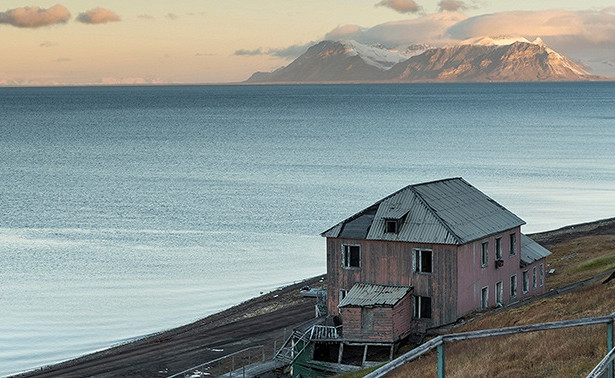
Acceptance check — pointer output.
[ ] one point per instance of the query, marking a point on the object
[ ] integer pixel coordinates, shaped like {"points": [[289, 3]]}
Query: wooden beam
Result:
{"points": [[441, 361]]}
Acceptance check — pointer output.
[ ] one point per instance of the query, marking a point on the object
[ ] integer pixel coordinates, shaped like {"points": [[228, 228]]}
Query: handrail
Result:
{"points": [[213, 361], [602, 365], [440, 340]]}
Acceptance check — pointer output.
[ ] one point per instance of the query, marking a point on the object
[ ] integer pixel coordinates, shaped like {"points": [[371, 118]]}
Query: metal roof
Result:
{"points": [[365, 294], [449, 211], [531, 251]]}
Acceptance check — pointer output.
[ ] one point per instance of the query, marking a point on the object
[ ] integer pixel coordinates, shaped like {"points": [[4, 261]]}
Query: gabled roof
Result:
{"points": [[449, 211], [531, 251], [364, 294]]}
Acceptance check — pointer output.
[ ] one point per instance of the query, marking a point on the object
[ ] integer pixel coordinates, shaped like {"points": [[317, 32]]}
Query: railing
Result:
{"points": [[220, 360], [321, 332], [606, 365]]}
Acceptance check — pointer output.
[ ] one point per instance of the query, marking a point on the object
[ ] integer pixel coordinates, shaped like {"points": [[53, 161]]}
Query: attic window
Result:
{"points": [[392, 226]]}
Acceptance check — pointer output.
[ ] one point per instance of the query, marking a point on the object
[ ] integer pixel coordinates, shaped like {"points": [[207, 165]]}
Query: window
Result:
{"points": [[513, 244], [499, 293], [484, 298], [422, 307], [498, 248], [542, 274], [391, 226], [526, 282], [343, 293], [422, 260], [351, 256], [534, 277], [513, 286], [484, 257]]}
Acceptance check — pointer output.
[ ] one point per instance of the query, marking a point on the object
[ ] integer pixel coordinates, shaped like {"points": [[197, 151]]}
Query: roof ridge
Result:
{"points": [[435, 214]]}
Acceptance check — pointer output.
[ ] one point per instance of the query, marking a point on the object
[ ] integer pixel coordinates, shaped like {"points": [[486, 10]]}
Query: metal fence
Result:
{"points": [[226, 364], [604, 368]]}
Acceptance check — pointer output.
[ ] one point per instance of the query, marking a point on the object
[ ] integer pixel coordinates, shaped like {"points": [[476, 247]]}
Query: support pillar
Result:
{"points": [[340, 353], [364, 355], [609, 346], [441, 364]]}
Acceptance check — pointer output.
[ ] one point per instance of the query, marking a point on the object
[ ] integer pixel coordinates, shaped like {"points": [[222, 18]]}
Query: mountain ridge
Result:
{"points": [[483, 59]]}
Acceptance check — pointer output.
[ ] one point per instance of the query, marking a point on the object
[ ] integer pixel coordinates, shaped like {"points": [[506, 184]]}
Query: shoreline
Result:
{"points": [[263, 320]]}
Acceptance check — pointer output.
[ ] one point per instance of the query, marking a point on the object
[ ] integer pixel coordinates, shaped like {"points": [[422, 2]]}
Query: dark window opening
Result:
{"points": [[513, 244], [327, 352], [391, 226], [498, 248], [422, 307], [484, 260], [352, 256], [422, 261]]}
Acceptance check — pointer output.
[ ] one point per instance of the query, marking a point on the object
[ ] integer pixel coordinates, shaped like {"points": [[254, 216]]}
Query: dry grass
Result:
{"points": [[569, 352], [579, 259]]}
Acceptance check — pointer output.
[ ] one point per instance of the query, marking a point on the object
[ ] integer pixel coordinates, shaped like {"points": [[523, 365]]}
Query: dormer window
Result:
{"points": [[393, 222], [392, 226]]}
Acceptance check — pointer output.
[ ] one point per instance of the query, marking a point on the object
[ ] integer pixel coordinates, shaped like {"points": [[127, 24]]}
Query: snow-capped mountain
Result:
{"points": [[503, 58]]}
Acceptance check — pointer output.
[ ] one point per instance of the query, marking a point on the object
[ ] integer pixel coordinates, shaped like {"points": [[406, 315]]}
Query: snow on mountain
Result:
{"points": [[378, 55]]}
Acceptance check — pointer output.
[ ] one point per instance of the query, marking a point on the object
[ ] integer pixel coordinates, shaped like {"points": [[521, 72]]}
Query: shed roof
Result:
{"points": [[364, 294], [449, 211], [531, 251]]}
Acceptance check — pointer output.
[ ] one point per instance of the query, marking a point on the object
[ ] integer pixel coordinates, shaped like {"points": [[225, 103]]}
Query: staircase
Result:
{"points": [[287, 354]]}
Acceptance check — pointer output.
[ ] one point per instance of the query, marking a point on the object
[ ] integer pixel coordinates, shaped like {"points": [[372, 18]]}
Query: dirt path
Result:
{"points": [[259, 321]]}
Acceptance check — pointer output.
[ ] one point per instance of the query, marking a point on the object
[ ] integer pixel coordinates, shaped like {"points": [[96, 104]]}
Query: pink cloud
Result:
{"points": [[35, 17], [98, 16], [401, 6]]}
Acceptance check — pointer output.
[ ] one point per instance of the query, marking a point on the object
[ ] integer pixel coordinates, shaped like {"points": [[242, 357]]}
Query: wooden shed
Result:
{"points": [[376, 313]]}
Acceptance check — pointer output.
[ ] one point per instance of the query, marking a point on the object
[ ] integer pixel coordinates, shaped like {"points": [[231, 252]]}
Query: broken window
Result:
{"points": [[534, 277], [513, 244], [484, 297], [499, 293], [422, 260], [542, 275], [526, 282], [343, 294], [484, 257], [422, 307], [513, 286], [498, 248], [351, 256]]}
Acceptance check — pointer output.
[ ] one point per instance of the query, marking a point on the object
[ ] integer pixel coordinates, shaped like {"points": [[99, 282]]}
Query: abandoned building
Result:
{"points": [[420, 258]]}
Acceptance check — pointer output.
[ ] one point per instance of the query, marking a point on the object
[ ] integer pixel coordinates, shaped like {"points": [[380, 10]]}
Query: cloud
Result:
{"points": [[593, 26], [401, 6], [172, 16], [48, 44], [244, 52], [425, 29], [452, 5], [290, 52], [98, 16], [35, 17]]}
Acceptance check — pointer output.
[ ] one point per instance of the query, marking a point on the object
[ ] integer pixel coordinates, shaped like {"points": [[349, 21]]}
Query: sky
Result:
{"points": [[94, 42]]}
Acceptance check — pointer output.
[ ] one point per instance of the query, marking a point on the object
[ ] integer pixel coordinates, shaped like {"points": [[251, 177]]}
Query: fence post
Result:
{"points": [[264, 353], [609, 346], [441, 364]]}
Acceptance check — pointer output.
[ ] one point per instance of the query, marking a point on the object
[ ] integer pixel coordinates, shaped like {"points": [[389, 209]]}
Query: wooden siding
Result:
{"points": [[391, 263], [472, 277]]}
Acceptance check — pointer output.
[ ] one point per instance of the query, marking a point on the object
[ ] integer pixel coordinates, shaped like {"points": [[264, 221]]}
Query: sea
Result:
{"points": [[126, 211]]}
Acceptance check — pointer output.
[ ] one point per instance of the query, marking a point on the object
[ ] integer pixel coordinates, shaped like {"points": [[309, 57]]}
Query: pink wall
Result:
{"points": [[472, 277]]}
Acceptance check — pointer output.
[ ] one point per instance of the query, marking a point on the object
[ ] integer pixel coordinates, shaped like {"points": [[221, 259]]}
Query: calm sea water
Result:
{"points": [[129, 210]]}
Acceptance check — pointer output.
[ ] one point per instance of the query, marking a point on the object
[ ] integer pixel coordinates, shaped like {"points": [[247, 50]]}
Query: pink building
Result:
{"points": [[424, 256]]}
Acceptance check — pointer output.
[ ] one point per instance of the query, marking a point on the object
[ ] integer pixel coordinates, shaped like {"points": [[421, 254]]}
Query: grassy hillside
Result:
{"points": [[578, 254]]}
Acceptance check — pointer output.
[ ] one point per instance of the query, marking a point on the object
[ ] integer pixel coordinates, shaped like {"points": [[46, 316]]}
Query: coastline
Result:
{"points": [[262, 320]]}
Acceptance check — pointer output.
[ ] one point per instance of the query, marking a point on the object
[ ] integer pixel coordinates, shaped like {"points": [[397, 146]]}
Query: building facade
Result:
{"points": [[450, 247]]}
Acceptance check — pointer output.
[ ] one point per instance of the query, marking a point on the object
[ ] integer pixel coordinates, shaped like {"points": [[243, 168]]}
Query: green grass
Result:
{"points": [[604, 263]]}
